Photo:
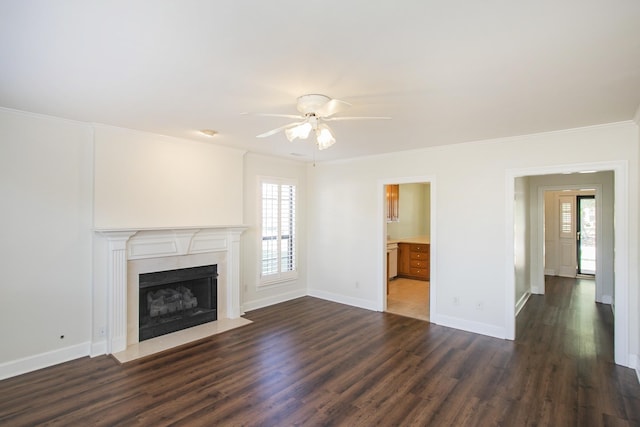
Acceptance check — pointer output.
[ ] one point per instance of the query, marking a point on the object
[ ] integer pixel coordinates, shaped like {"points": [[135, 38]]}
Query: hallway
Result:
{"points": [[568, 339]]}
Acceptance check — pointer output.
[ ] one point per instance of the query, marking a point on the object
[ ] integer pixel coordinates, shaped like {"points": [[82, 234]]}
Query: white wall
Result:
{"points": [[426, 188], [256, 296], [45, 188], [470, 217], [146, 180], [634, 292], [48, 243], [550, 228], [522, 242], [414, 207]]}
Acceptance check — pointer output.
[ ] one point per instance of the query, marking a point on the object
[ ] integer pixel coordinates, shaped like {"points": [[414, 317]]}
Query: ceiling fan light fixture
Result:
{"points": [[209, 132], [300, 131], [324, 137], [314, 110]]}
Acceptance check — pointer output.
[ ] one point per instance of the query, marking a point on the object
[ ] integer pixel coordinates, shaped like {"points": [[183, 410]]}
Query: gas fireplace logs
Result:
{"points": [[170, 300]]}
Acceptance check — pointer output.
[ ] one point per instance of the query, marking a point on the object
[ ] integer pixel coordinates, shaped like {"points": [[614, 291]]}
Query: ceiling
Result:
{"points": [[445, 71]]}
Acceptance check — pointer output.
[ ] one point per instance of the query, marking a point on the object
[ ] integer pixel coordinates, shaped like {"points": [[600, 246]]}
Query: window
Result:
{"points": [[278, 230], [566, 217]]}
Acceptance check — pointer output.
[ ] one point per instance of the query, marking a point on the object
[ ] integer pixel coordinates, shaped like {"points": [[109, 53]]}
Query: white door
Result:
{"points": [[568, 262]]}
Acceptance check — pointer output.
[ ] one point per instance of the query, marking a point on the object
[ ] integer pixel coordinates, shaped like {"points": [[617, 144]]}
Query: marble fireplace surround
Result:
{"points": [[134, 251]]}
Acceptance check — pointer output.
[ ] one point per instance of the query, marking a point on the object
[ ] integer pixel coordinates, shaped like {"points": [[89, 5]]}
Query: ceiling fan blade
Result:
{"points": [[288, 116], [332, 107], [333, 119], [276, 130]]}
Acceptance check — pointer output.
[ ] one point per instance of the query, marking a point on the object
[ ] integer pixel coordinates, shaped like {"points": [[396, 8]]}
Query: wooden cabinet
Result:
{"points": [[404, 259], [414, 261]]}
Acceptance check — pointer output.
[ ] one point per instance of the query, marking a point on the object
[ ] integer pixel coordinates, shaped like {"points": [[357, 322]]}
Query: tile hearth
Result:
{"points": [[175, 339]]}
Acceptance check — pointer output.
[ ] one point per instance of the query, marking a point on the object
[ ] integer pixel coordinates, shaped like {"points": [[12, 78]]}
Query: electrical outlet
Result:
{"points": [[479, 306], [456, 300], [357, 284], [102, 332]]}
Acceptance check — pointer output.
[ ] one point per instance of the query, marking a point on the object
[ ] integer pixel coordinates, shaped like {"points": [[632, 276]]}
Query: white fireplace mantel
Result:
{"points": [[124, 245]]}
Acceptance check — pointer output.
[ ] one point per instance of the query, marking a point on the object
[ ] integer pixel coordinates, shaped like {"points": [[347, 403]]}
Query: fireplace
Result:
{"points": [[127, 254], [173, 300]]}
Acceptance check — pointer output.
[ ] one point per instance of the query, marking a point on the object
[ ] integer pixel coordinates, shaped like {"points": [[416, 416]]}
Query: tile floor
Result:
{"points": [[409, 298]]}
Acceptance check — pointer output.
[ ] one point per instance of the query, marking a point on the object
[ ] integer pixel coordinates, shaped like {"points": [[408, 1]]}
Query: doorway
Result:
{"points": [[612, 253], [407, 286], [570, 232]]}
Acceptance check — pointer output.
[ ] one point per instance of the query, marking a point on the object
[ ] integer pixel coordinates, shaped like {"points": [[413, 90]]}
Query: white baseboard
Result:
{"points": [[265, 302], [607, 299], [470, 326], [356, 302], [522, 302], [634, 363], [98, 348], [43, 360], [549, 272]]}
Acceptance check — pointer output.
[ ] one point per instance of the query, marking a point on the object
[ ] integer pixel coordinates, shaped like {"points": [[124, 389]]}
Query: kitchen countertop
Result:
{"points": [[421, 240]]}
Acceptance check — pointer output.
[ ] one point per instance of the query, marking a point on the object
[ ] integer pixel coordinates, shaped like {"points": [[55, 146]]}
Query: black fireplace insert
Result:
{"points": [[173, 300]]}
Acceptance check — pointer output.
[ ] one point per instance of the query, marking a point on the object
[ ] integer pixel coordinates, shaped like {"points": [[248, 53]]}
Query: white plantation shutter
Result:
{"points": [[269, 228], [566, 217], [278, 230], [288, 227]]}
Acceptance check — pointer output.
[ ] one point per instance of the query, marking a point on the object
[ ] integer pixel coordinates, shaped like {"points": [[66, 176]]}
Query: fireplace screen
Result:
{"points": [[177, 299]]}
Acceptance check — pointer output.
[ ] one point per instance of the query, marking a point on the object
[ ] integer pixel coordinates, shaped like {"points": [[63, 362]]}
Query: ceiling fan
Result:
{"points": [[314, 111]]}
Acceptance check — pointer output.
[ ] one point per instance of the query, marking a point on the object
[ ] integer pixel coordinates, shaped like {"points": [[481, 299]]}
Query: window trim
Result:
{"points": [[279, 277]]}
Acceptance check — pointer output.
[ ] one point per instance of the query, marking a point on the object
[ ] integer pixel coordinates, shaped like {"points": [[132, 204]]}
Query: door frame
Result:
{"points": [[621, 247], [537, 279], [381, 302]]}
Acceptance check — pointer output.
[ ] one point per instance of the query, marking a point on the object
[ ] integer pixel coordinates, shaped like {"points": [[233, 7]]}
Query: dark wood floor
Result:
{"points": [[313, 362]]}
